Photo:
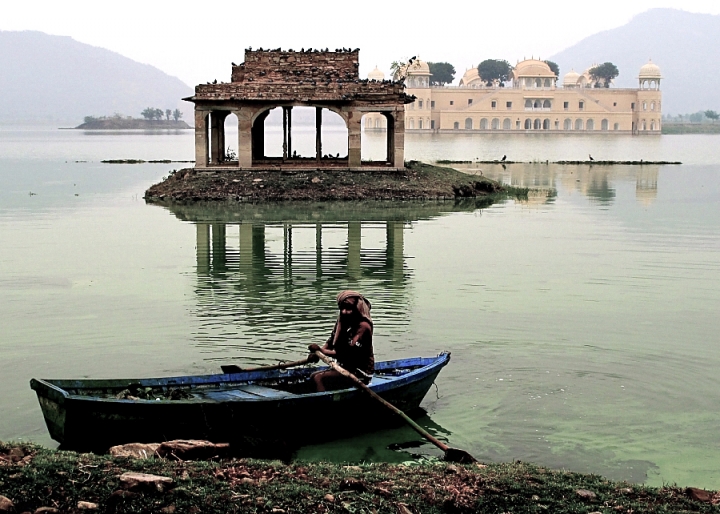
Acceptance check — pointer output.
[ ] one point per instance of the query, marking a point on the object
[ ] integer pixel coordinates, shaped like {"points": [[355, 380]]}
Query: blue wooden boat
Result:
{"points": [[248, 408]]}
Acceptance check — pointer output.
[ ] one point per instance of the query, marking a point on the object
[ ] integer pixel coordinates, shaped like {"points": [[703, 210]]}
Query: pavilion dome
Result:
{"points": [[376, 74], [470, 76], [650, 71], [418, 67], [533, 68], [571, 78]]}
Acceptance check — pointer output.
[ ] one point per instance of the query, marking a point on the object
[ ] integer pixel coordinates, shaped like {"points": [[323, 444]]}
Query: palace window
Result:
{"points": [[432, 104], [632, 106], [432, 124], [614, 104], [582, 105], [566, 105], [420, 104], [456, 125], [469, 101], [508, 105], [452, 102], [493, 104]]}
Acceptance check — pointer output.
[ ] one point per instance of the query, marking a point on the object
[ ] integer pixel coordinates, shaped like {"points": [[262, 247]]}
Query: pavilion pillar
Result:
{"points": [[246, 246], [216, 147], [201, 138], [354, 246], [289, 138], [390, 138], [394, 250], [354, 139], [397, 134], [245, 138], [219, 257], [285, 133], [203, 248], [318, 133]]}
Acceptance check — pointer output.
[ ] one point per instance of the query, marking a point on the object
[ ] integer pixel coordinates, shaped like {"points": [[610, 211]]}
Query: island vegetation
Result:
{"points": [[700, 122], [36, 479], [152, 118]]}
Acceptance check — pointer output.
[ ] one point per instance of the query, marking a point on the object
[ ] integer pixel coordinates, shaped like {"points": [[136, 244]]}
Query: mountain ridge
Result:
{"points": [[686, 47], [57, 79]]}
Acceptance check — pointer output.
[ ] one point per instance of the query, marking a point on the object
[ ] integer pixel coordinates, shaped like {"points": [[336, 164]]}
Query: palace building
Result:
{"points": [[532, 101]]}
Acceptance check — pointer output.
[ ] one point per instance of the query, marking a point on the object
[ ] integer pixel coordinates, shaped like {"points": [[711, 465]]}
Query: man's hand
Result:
{"points": [[313, 358], [314, 348]]}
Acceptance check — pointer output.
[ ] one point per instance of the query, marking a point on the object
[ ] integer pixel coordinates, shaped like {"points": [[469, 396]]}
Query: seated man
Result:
{"points": [[350, 343]]}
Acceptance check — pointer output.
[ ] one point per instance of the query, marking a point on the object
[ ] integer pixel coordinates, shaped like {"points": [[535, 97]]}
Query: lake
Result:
{"points": [[583, 321]]}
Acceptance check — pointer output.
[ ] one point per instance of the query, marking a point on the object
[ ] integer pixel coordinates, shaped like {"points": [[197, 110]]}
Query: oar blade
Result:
{"points": [[459, 456]]}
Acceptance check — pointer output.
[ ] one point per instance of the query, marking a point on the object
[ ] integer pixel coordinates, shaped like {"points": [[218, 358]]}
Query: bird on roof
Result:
{"points": [[233, 64], [215, 81], [591, 157], [504, 157]]}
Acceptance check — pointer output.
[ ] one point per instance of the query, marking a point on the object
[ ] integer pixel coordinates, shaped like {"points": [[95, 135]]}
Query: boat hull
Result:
{"points": [[238, 408]]}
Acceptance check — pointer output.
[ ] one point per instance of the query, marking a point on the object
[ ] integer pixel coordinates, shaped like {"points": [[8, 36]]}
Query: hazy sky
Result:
{"points": [[196, 41]]}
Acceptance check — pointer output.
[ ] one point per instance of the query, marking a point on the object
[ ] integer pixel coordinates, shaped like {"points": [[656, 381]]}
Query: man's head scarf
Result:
{"points": [[362, 305]]}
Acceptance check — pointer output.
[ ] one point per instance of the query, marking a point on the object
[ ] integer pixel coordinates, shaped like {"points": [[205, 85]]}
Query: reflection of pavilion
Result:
{"points": [[267, 275], [252, 252]]}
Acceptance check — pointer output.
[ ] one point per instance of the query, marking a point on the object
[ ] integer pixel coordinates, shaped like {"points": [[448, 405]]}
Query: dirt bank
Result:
{"points": [[417, 181], [32, 478]]}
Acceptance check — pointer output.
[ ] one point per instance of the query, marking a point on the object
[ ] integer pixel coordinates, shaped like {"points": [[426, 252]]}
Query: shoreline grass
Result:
{"points": [[32, 477]]}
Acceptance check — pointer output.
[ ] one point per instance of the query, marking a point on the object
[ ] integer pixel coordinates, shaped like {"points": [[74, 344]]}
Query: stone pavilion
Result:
{"points": [[308, 78]]}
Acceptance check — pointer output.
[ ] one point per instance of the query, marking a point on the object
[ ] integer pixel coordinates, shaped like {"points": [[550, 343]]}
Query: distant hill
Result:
{"points": [[46, 78], [685, 45]]}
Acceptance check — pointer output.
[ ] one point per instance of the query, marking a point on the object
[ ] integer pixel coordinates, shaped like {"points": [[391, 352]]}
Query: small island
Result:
{"points": [[152, 119]]}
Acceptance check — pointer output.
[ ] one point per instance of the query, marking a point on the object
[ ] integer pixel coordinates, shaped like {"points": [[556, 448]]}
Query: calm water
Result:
{"points": [[583, 322]]}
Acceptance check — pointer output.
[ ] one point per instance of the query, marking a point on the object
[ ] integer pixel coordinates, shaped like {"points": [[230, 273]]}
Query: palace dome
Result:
{"points": [[650, 71], [376, 74], [418, 67], [470, 76], [533, 68], [571, 78]]}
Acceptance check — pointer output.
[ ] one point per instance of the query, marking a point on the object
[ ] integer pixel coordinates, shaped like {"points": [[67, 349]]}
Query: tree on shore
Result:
{"points": [[177, 114], [494, 71], [168, 113], [604, 74], [442, 73], [148, 113], [554, 68], [712, 115]]}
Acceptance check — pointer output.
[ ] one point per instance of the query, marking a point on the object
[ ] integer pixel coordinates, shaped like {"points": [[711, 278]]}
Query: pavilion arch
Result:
{"points": [[469, 123], [604, 124], [567, 124], [547, 104], [456, 125], [652, 124], [537, 124], [528, 124], [388, 120], [270, 147], [507, 124], [546, 124], [579, 124], [411, 123], [495, 124], [590, 125]]}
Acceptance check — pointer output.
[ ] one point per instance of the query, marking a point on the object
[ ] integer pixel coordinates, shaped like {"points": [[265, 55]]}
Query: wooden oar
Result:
{"points": [[231, 368], [451, 454]]}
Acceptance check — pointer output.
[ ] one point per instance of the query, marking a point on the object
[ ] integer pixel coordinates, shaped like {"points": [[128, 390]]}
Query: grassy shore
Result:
{"points": [[417, 181], [32, 477], [691, 128]]}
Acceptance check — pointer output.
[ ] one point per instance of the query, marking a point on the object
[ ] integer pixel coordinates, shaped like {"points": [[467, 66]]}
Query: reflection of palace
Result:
{"points": [[532, 101], [594, 182]]}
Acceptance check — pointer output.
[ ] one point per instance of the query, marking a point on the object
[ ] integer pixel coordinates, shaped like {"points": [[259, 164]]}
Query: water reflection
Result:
{"points": [[266, 275], [597, 183]]}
